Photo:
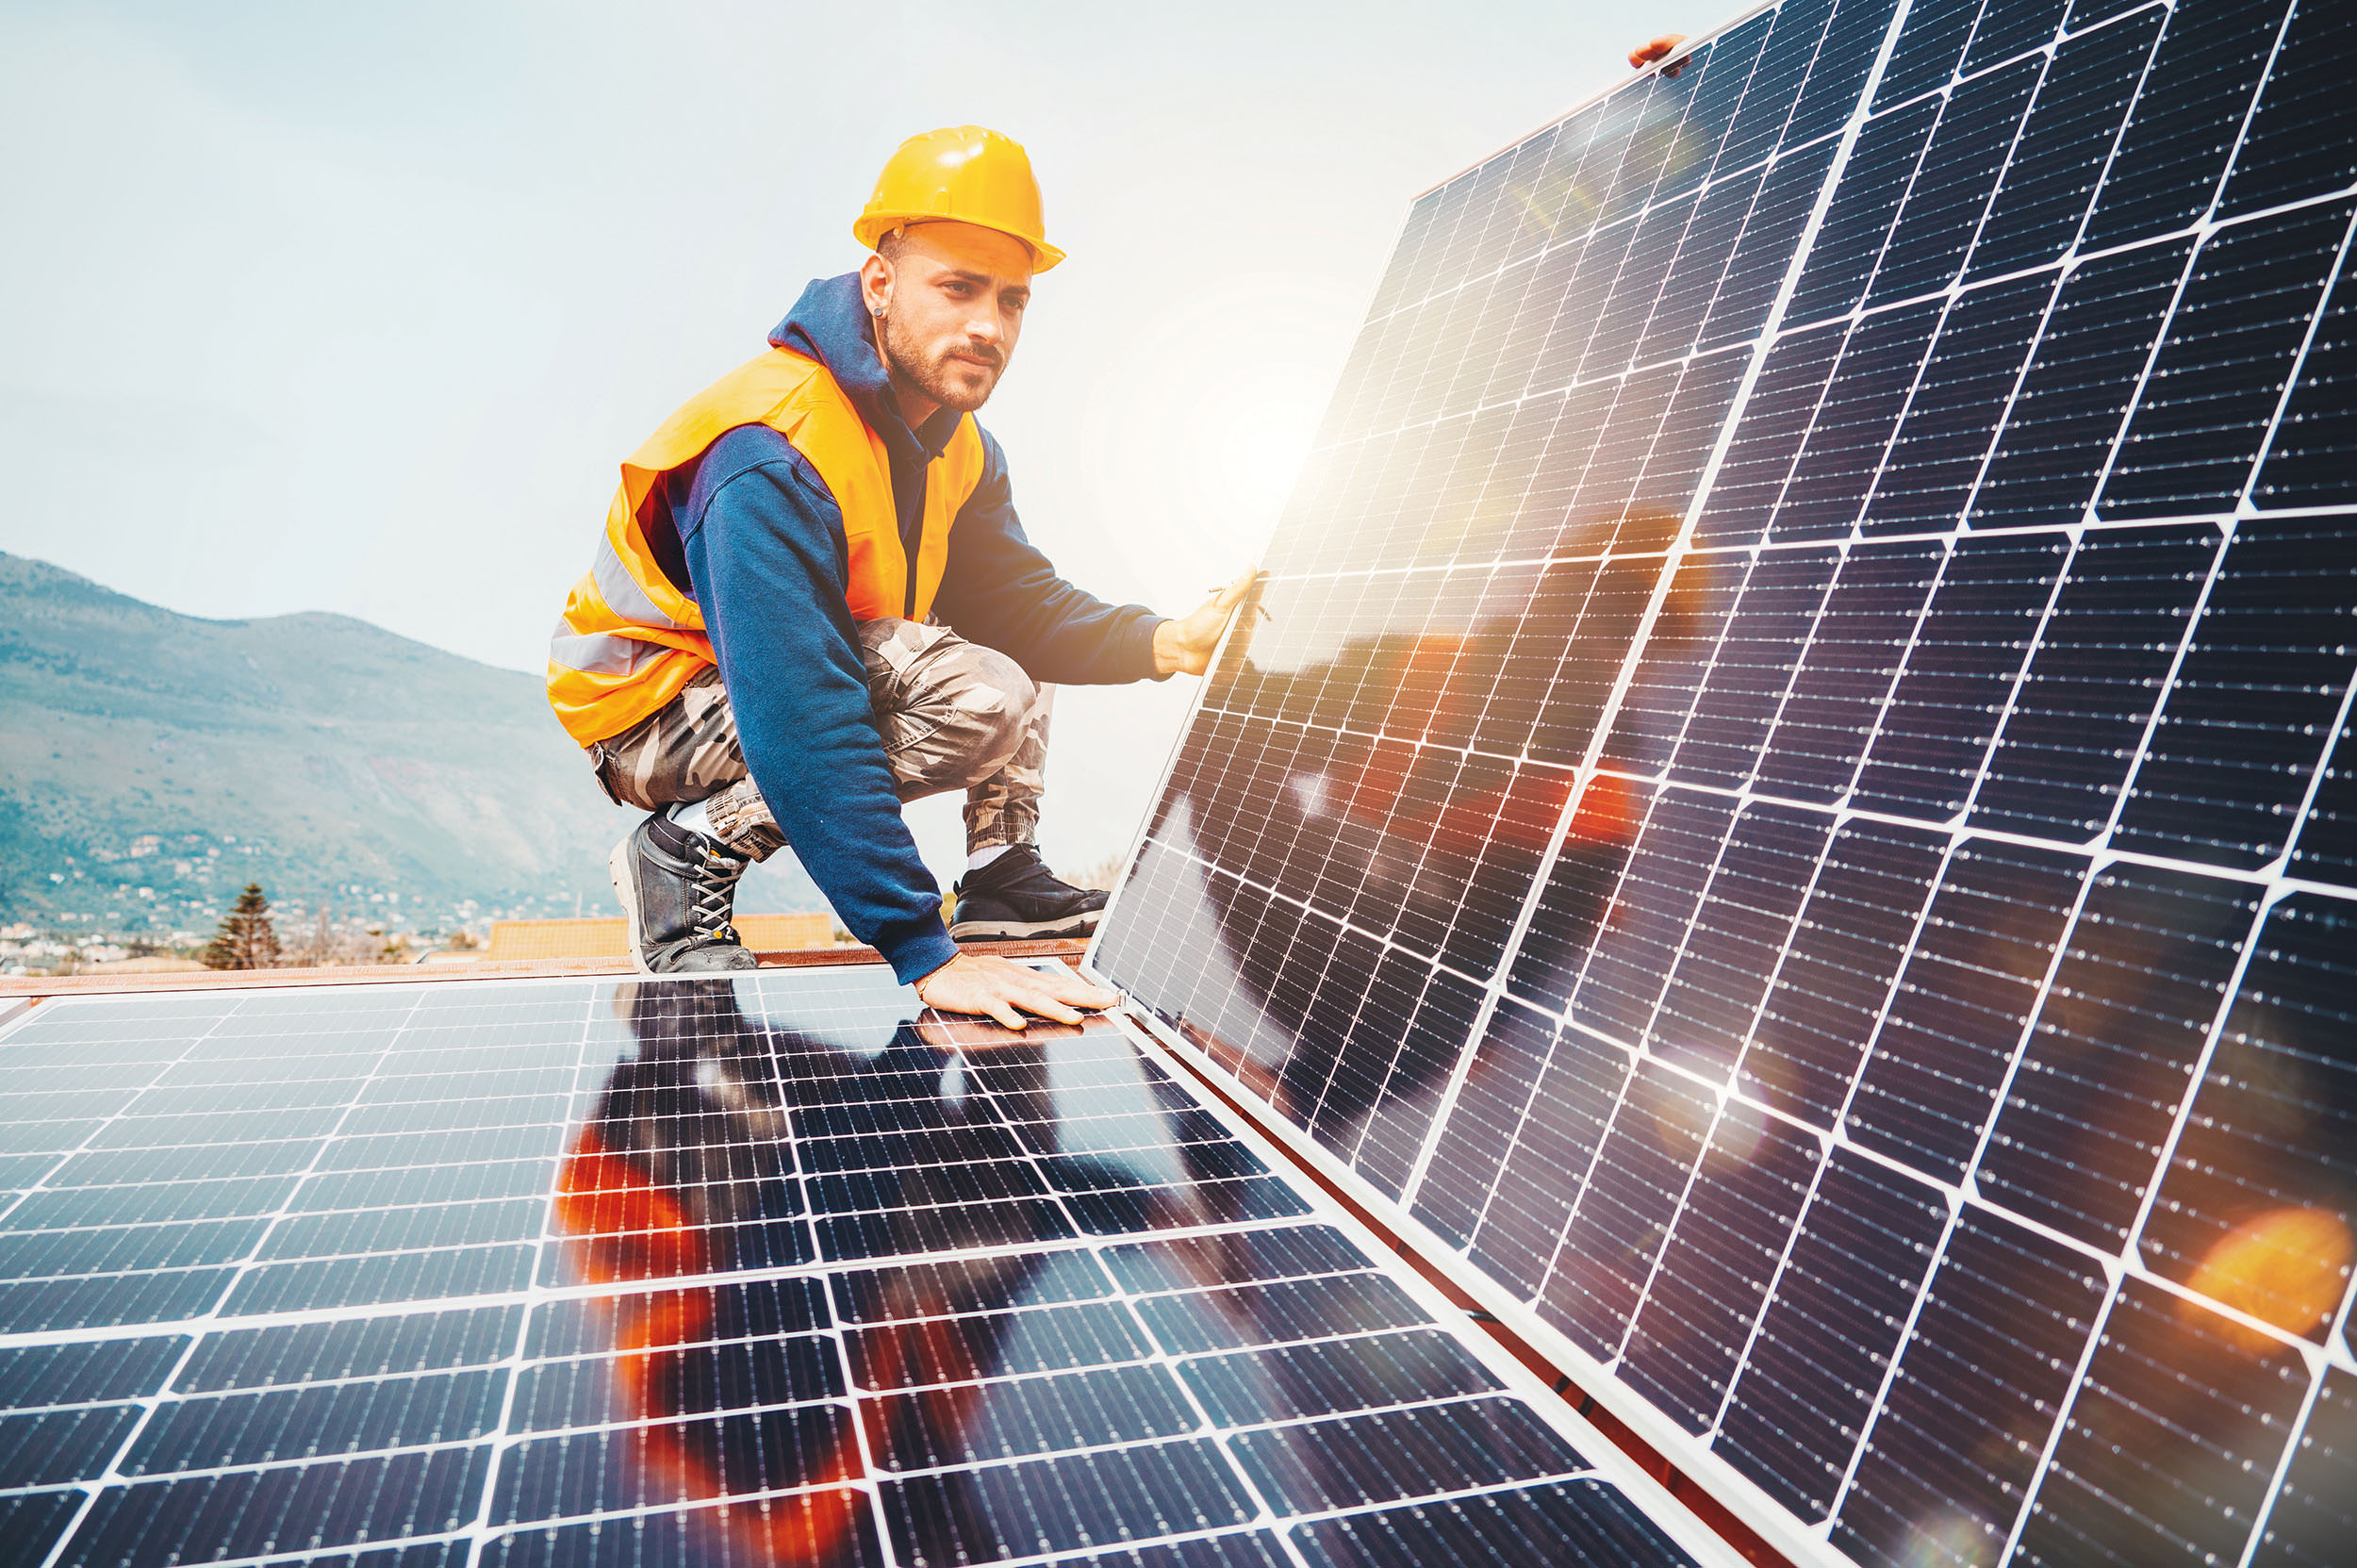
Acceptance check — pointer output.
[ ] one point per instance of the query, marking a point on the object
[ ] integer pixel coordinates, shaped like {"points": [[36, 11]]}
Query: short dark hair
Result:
{"points": [[888, 244]]}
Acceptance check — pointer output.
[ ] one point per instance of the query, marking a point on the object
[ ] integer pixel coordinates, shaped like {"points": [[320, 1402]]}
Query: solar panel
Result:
{"points": [[777, 1269], [1782, 804]]}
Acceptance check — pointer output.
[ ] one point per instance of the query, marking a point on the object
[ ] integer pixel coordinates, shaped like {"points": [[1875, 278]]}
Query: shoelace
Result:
{"points": [[715, 887], [1016, 869], [1038, 881]]}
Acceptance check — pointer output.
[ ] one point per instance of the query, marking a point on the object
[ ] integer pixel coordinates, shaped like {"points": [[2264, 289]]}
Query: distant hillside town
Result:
{"points": [[385, 794]]}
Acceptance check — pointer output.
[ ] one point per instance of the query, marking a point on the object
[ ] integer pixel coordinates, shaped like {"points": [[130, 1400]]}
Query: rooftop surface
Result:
{"points": [[488, 968]]}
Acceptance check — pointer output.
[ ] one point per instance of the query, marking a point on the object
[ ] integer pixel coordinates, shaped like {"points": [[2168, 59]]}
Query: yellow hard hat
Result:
{"points": [[964, 173]]}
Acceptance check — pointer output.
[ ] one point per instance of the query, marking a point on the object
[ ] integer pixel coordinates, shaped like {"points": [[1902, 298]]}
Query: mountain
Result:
{"points": [[339, 764]]}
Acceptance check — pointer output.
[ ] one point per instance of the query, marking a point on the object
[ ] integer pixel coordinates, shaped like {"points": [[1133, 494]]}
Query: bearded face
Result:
{"points": [[948, 299], [951, 368]]}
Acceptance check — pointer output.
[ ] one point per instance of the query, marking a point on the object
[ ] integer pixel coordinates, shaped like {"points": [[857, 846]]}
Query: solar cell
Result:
{"points": [[1912, 584], [2059, 153], [780, 1269]]}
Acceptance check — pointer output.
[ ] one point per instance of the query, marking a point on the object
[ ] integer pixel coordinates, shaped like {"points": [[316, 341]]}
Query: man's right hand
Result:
{"points": [[1645, 54], [1002, 989]]}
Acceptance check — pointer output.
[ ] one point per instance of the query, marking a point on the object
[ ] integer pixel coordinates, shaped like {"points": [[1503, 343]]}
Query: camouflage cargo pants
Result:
{"points": [[953, 715]]}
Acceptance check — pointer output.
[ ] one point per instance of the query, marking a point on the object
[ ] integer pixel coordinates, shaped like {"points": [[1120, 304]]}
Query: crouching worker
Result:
{"points": [[813, 602]]}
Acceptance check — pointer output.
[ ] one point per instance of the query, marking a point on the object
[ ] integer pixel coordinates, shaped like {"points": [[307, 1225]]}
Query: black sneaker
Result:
{"points": [[678, 887], [1017, 896]]}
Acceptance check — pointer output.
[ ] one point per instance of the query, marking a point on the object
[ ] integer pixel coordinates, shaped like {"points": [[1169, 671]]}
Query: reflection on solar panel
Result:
{"points": [[1781, 794], [770, 1271]]}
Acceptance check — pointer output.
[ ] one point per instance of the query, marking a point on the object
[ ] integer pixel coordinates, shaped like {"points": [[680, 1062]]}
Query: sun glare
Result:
{"points": [[1201, 430], [1248, 435]]}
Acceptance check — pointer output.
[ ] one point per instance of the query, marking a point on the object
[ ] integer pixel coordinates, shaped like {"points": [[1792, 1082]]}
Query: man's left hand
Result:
{"points": [[1184, 646]]}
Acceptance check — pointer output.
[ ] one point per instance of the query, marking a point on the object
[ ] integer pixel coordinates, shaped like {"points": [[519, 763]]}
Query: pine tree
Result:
{"points": [[245, 940]]}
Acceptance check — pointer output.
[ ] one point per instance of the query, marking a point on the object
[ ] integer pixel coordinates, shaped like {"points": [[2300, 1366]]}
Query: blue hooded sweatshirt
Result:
{"points": [[761, 544]]}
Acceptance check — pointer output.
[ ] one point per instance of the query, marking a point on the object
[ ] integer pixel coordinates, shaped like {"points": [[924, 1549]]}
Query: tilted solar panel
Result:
{"points": [[1785, 798], [778, 1270]]}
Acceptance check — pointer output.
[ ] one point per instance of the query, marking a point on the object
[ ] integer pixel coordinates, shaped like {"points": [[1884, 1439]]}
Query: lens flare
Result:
{"points": [[2286, 1267]]}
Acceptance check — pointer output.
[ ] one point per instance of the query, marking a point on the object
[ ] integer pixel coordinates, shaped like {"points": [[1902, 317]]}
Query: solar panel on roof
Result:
{"points": [[1783, 800], [776, 1270]]}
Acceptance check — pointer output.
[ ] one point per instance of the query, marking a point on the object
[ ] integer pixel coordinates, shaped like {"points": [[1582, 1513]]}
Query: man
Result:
{"points": [[814, 602]]}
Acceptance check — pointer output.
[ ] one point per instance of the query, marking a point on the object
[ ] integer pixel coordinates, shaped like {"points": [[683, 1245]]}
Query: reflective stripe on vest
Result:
{"points": [[630, 640]]}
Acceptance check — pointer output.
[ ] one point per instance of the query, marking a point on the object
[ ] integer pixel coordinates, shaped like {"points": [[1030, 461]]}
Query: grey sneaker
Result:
{"points": [[677, 888], [1017, 896]]}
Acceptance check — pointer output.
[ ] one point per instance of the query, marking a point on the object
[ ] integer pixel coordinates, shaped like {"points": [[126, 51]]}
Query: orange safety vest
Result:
{"points": [[630, 640]]}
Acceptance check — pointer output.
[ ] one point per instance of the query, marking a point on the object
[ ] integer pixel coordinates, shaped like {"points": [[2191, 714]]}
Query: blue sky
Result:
{"points": [[356, 308]]}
